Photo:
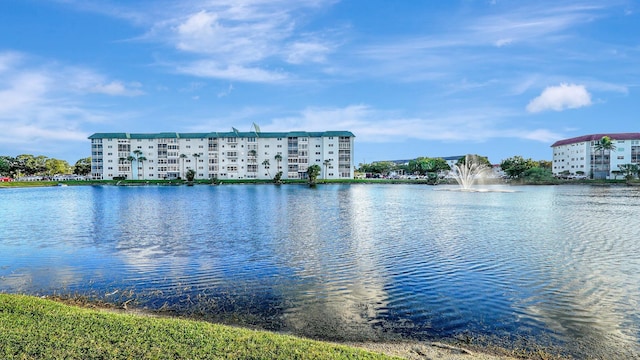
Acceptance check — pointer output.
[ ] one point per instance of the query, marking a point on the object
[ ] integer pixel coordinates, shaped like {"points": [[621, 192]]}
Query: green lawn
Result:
{"points": [[35, 328]]}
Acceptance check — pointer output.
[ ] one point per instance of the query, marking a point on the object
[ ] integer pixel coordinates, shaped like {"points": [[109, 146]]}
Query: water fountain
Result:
{"points": [[472, 170], [466, 174]]}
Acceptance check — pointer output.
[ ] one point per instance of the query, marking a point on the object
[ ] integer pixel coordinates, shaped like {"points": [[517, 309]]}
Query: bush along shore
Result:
{"points": [[515, 182], [36, 328]]}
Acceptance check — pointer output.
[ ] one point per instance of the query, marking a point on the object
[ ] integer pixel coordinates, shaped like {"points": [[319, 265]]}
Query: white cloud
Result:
{"points": [[212, 69], [532, 22], [503, 42], [372, 125], [39, 102], [559, 98], [87, 81], [8, 60], [541, 31], [233, 34], [241, 39], [117, 88], [199, 25], [301, 52], [22, 90]]}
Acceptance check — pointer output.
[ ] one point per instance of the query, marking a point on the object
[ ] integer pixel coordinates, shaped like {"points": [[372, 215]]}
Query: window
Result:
{"points": [[635, 154]]}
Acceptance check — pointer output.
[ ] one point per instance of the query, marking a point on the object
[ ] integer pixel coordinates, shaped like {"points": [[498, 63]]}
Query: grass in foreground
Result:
{"points": [[34, 328]]}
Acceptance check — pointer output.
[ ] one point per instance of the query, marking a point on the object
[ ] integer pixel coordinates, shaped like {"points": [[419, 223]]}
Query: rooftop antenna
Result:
{"points": [[256, 129]]}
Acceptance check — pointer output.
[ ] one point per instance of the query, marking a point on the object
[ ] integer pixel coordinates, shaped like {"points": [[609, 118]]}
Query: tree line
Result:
{"points": [[515, 167], [40, 165]]}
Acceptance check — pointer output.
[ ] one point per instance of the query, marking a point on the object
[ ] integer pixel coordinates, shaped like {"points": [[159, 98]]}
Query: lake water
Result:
{"points": [[556, 268]]}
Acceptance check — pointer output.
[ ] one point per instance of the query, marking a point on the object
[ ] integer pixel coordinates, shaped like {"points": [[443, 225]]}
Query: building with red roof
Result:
{"points": [[580, 155]]}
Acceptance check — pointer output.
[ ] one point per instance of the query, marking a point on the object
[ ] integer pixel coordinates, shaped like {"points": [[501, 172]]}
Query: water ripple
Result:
{"points": [[558, 266]]}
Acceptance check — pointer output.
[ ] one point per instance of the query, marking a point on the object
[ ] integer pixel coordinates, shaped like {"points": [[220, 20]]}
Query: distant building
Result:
{"points": [[451, 160], [221, 155], [577, 155]]}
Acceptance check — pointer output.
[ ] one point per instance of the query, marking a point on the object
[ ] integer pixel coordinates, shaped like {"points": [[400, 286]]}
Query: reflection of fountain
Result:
{"points": [[467, 173]]}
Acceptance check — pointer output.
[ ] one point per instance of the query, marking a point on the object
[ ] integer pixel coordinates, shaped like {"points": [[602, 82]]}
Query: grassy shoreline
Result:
{"points": [[36, 328], [78, 328]]}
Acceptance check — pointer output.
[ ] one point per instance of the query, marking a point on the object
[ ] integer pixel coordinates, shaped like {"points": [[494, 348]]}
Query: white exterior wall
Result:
{"points": [[223, 158], [623, 153], [574, 157]]}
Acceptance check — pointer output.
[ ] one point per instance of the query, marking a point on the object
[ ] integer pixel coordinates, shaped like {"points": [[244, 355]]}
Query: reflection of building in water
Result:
{"points": [[589, 311], [340, 286], [222, 155], [580, 295]]}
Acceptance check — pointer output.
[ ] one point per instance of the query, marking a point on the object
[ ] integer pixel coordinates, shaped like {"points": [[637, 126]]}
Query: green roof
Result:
{"points": [[239, 134]]}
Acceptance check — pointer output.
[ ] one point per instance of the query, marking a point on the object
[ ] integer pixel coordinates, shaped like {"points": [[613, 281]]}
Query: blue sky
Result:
{"points": [[408, 78]]}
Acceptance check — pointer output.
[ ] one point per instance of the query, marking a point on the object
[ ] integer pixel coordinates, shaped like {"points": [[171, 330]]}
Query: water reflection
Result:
{"points": [[558, 266]]}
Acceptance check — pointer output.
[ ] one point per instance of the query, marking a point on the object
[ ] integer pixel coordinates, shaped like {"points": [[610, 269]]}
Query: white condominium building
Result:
{"points": [[221, 155], [580, 156]]}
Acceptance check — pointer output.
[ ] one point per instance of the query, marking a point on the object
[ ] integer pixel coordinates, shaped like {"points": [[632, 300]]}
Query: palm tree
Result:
{"points": [[182, 157], [604, 144], [278, 158], [137, 154], [141, 161], [131, 159], [266, 164], [195, 156], [326, 163]]}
